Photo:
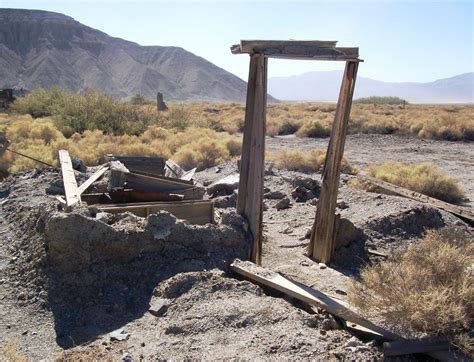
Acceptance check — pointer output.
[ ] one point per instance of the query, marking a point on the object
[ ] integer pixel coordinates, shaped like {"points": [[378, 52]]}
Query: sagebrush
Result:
{"points": [[428, 290], [425, 178]]}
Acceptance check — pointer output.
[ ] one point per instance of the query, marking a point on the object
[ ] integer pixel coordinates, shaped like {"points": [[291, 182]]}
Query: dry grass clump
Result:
{"points": [[85, 354], [40, 138], [428, 290], [312, 161], [425, 178]]}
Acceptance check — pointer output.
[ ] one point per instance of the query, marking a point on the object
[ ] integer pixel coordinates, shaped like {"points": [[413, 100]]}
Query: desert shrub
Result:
{"points": [[312, 161], [426, 290], [177, 117], [40, 138], [315, 128], [88, 110], [139, 100], [381, 100], [425, 178]]}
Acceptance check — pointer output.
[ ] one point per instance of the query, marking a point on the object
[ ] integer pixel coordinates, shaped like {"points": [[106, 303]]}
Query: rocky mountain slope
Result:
{"points": [[41, 49], [324, 86]]}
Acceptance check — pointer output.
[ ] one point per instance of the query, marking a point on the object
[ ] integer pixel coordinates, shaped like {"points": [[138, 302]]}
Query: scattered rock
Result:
{"points": [[301, 194], [347, 233], [322, 266], [342, 204], [78, 165], [274, 195], [224, 186], [127, 357], [330, 324], [308, 183], [225, 201], [314, 202], [284, 203], [118, 335], [158, 306], [341, 292]]}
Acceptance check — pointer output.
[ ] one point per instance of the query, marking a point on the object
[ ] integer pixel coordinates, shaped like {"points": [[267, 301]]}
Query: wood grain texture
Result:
{"points": [[95, 176], [69, 180], [250, 196], [465, 212], [196, 212], [321, 246]]}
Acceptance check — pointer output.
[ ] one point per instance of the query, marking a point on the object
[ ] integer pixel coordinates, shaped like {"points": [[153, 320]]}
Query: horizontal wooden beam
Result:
{"points": [[400, 348], [292, 49], [196, 212], [464, 212]]}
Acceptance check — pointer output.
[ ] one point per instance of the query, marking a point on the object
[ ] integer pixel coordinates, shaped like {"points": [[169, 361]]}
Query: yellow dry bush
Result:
{"points": [[312, 161], [426, 290], [425, 178], [315, 128]]}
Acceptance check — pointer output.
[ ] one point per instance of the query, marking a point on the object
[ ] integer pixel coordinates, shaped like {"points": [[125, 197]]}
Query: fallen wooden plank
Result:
{"points": [[69, 180], [314, 297], [249, 46], [465, 212], [121, 195], [305, 294], [139, 164], [163, 184], [95, 176], [399, 348], [196, 212]]}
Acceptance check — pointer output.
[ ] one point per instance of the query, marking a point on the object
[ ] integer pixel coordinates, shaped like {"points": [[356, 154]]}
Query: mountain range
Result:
{"points": [[324, 86], [41, 49]]}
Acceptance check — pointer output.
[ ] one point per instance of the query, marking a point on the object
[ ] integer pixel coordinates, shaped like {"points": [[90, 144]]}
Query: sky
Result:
{"points": [[418, 41]]}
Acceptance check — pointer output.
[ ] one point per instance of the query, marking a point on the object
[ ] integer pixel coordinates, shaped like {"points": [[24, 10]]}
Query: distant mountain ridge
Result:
{"points": [[41, 49], [324, 86]]}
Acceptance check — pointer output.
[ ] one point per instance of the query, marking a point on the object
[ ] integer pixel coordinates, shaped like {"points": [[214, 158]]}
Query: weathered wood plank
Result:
{"points": [[69, 180], [311, 49], [464, 212], [314, 297], [399, 348], [249, 46], [246, 143], [250, 196], [322, 242], [138, 164], [95, 176], [305, 294], [196, 212]]}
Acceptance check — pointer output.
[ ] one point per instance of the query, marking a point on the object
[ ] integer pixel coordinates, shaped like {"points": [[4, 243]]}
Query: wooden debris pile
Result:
{"points": [[140, 185]]}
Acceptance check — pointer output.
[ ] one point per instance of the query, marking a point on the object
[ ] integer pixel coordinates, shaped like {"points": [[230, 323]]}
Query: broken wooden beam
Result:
{"points": [[71, 190], [139, 164], [323, 233], [250, 195], [316, 298], [122, 195], [464, 212], [95, 176], [196, 212], [297, 49], [305, 294], [400, 348]]}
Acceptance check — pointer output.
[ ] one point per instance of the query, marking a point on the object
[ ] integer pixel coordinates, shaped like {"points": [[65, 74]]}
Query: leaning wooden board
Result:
{"points": [[465, 212], [71, 190], [196, 212], [314, 297]]}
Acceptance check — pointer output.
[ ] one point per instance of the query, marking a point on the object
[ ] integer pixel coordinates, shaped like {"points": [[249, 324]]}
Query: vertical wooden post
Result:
{"points": [[321, 246], [250, 197]]}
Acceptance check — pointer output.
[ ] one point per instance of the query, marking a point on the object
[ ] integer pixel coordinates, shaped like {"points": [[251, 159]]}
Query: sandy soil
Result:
{"points": [[208, 312]]}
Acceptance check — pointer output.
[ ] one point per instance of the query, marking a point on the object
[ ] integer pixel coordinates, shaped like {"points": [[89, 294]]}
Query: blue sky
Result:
{"points": [[416, 41]]}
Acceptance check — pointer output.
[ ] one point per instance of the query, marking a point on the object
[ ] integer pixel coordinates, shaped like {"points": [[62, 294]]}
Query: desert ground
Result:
{"points": [[61, 298]]}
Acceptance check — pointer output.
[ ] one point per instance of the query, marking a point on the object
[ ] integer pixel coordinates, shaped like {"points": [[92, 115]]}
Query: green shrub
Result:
{"points": [[381, 100]]}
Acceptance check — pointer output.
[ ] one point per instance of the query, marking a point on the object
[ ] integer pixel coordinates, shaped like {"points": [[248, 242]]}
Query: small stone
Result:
{"points": [[314, 202], [118, 335], [342, 204], [304, 263], [341, 292], [142, 344], [283, 204], [158, 306], [300, 194], [322, 266], [127, 357], [274, 195]]}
